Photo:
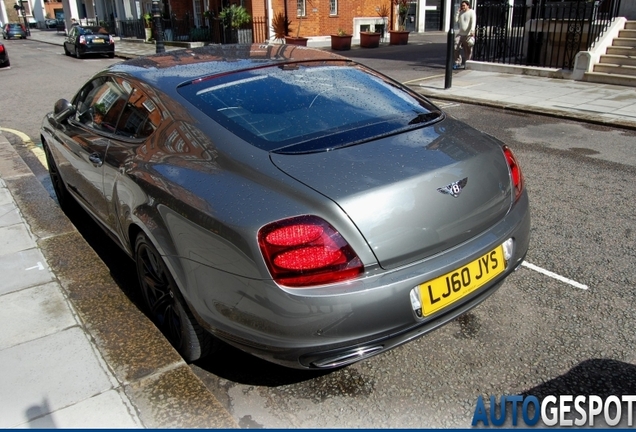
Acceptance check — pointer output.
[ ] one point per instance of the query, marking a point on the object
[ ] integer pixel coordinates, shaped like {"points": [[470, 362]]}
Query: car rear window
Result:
{"points": [[93, 30], [308, 107]]}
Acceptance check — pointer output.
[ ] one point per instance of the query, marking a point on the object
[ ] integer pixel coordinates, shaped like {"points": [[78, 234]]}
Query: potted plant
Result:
{"points": [[341, 41], [280, 24], [208, 15], [400, 36], [297, 40], [369, 39], [148, 25], [234, 17], [383, 12]]}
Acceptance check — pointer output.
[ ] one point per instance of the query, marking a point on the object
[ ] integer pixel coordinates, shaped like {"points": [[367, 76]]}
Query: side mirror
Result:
{"points": [[62, 110]]}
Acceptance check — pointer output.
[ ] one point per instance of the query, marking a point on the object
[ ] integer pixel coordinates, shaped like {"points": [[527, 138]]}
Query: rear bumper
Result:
{"points": [[339, 324], [97, 49]]}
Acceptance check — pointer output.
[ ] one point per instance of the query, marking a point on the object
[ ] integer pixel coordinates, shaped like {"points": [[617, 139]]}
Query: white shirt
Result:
{"points": [[467, 21]]}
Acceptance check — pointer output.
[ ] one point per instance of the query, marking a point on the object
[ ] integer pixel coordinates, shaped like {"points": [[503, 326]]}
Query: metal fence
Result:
{"points": [[547, 33], [133, 28], [184, 30]]}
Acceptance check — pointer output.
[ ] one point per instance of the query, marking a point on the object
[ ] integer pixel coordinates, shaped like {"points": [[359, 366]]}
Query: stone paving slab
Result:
{"points": [[33, 313], [15, 238], [111, 409], [8, 212], [23, 269], [48, 374]]}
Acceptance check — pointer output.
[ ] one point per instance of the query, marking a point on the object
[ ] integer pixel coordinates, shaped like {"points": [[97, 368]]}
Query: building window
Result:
{"points": [[333, 7], [300, 6]]}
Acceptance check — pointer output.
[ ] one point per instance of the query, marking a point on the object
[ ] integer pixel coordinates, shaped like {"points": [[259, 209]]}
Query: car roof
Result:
{"points": [[168, 70]]}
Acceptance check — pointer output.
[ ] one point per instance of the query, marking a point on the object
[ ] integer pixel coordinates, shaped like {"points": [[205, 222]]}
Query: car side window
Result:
{"points": [[140, 116], [100, 103]]}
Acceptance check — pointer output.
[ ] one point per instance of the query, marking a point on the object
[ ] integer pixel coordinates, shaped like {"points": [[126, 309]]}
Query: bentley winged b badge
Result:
{"points": [[454, 189]]}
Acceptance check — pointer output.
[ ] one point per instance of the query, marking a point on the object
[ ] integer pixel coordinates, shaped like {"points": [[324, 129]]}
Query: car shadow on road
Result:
{"points": [[237, 366]]}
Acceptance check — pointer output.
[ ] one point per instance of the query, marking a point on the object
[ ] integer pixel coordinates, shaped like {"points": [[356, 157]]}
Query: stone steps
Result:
{"points": [[618, 65]]}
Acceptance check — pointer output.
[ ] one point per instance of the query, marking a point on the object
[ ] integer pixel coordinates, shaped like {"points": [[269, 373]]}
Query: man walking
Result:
{"points": [[465, 39]]}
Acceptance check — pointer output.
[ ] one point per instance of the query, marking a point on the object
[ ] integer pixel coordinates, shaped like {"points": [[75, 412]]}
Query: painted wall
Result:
{"points": [[628, 9]]}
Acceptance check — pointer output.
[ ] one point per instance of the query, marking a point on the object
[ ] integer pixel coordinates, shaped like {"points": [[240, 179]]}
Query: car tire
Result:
{"points": [[166, 306], [59, 187], [77, 53], [111, 55], [67, 52]]}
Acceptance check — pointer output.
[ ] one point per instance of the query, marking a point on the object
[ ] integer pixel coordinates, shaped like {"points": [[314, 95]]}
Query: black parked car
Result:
{"points": [[4, 56], [14, 30], [89, 40], [50, 23]]}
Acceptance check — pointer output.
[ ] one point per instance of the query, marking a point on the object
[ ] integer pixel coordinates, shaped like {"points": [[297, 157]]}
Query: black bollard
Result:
{"points": [[156, 14], [448, 79]]}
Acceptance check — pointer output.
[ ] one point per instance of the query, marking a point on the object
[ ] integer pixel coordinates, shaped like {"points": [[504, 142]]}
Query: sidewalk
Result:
{"points": [[605, 104], [78, 354]]}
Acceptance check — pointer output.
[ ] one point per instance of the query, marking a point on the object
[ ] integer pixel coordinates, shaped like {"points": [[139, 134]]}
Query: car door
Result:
{"points": [[139, 119], [69, 45], [87, 139]]}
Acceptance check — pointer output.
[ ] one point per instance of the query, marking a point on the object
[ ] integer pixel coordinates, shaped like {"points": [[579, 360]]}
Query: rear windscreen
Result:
{"points": [[308, 107]]}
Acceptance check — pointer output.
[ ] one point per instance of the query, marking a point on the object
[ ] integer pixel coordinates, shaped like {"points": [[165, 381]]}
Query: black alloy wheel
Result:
{"points": [[59, 187], [165, 305]]}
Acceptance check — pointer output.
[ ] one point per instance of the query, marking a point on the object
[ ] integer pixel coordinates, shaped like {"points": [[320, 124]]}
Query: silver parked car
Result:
{"points": [[288, 201]]}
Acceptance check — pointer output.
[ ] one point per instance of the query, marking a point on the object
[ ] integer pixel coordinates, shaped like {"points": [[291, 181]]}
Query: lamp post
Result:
{"points": [[19, 7], [156, 14], [450, 42]]}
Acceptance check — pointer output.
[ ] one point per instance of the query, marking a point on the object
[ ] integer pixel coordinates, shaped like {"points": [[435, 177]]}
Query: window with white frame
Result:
{"points": [[333, 7], [300, 6], [197, 11]]}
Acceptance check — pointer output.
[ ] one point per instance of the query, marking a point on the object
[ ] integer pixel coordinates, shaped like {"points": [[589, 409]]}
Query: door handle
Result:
{"points": [[96, 159]]}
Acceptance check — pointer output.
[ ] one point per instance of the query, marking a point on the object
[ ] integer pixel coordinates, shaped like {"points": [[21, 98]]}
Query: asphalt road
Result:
{"points": [[537, 335]]}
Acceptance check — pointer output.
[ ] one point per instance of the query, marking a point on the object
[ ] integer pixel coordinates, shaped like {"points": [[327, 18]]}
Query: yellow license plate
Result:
{"points": [[98, 40], [440, 292]]}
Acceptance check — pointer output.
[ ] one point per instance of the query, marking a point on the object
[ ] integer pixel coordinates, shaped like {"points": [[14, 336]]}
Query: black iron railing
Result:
{"points": [[547, 33], [133, 28], [184, 30]]}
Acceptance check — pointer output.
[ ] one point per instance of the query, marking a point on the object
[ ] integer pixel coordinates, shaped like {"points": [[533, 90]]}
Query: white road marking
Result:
{"points": [[422, 79], [554, 275]]}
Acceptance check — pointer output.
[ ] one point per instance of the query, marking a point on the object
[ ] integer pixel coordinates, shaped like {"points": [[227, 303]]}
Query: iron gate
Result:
{"points": [[548, 33]]}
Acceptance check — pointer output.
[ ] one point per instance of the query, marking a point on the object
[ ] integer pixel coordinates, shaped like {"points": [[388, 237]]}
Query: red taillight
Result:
{"points": [[1, 48], [82, 40], [111, 40], [304, 251], [515, 171]]}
